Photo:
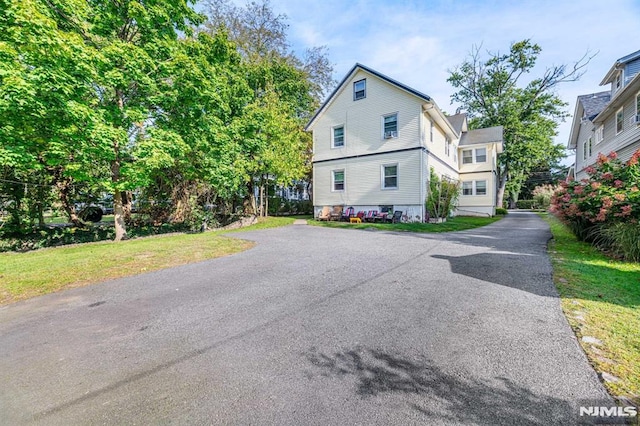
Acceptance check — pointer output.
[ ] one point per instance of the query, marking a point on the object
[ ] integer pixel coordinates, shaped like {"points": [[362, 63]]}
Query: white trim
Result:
{"points": [[344, 134], [474, 188], [475, 157], [393, 135], [333, 180], [382, 176], [599, 134], [364, 96], [621, 109]]}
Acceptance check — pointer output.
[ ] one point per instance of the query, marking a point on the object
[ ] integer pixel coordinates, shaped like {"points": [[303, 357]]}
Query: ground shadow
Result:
{"points": [[524, 272], [442, 396]]}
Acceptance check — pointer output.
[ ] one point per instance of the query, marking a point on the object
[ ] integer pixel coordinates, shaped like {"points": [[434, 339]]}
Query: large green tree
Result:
{"points": [[493, 93]]}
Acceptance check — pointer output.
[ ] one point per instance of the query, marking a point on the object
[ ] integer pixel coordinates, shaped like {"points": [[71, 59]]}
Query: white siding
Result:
{"points": [[362, 120], [363, 180]]}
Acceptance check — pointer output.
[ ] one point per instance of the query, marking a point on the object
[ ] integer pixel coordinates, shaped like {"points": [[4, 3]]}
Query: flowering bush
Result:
{"points": [[542, 195], [609, 196]]}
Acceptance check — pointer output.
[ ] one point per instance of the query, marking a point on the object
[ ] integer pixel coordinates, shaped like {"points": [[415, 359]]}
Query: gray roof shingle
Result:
{"points": [[457, 121], [490, 134], [594, 103]]}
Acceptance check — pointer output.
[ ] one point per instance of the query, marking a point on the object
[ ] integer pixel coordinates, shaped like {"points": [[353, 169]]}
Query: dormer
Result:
{"points": [[622, 72]]}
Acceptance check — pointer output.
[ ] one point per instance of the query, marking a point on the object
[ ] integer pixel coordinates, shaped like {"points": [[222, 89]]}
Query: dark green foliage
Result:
{"points": [[501, 212], [525, 204]]}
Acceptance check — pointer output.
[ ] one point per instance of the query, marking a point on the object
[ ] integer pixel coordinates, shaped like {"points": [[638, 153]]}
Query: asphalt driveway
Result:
{"points": [[313, 326]]}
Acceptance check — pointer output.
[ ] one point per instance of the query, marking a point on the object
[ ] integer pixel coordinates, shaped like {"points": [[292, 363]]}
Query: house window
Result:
{"points": [[474, 187], [390, 176], [637, 119], [431, 131], [360, 89], [338, 137], [618, 81], [467, 188], [338, 180], [447, 148], [619, 120], [390, 126], [589, 146], [584, 150], [599, 134], [481, 187], [467, 156], [481, 155]]}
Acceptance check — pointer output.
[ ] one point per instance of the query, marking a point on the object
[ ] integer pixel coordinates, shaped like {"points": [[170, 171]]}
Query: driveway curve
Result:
{"points": [[313, 326]]}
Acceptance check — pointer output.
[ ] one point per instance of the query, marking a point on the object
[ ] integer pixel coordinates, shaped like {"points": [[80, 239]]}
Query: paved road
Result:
{"points": [[313, 326]]}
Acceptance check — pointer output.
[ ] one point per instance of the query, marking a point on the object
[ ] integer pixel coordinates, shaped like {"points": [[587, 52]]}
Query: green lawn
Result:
{"points": [[24, 275], [458, 223], [601, 299]]}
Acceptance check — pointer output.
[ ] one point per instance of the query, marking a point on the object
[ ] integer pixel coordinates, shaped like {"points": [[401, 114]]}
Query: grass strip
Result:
{"points": [[600, 297], [34, 273], [458, 223]]}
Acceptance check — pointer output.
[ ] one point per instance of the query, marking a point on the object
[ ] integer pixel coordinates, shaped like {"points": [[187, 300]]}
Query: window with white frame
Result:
{"points": [[447, 148], [467, 156], [337, 140], [360, 89], [599, 134], [390, 126], [618, 80], [619, 120], [337, 178], [390, 176], [481, 187], [584, 150], [467, 188], [474, 187], [637, 120], [481, 155], [431, 131], [589, 146]]}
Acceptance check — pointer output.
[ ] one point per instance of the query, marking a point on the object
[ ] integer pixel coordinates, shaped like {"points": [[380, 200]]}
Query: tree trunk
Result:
{"points": [[126, 205], [502, 185], [64, 190], [118, 217]]}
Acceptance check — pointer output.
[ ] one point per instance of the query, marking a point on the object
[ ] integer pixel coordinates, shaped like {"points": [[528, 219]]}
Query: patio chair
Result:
{"points": [[371, 215], [336, 214], [360, 215], [348, 213], [325, 213], [395, 218]]}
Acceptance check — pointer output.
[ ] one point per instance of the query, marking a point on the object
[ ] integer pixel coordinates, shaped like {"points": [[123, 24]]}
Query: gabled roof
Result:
{"points": [[588, 106], [594, 103], [350, 74], [619, 99], [458, 122], [611, 75], [483, 136]]}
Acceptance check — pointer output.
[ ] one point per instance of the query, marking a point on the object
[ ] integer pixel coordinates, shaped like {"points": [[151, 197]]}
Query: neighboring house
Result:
{"points": [[608, 121], [375, 140]]}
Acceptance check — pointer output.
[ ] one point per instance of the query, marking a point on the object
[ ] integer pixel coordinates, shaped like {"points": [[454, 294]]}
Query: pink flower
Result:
{"points": [[618, 183], [595, 185], [626, 210], [602, 215], [634, 189], [590, 170], [607, 176], [613, 155], [602, 159], [607, 202], [634, 158], [620, 197], [579, 189]]}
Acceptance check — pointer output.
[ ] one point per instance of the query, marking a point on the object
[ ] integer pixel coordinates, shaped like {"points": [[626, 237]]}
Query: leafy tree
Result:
{"points": [[493, 94]]}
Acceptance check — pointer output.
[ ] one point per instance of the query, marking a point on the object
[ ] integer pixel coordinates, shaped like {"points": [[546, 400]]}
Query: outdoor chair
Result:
{"points": [[395, 218], [348, 213], [371, 215], [336, 214], [325, 213]]}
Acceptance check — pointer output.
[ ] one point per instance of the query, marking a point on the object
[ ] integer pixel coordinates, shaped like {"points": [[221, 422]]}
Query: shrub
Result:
{"points": [[605, 207], [501, 211], [542, 196], [442, 197], [525, 204]]}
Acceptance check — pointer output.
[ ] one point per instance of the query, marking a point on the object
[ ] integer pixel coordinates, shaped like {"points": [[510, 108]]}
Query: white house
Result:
{"points": [[608, 121], [375, 140]]}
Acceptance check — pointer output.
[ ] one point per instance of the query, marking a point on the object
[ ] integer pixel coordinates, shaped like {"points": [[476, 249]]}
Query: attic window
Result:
{"points": [[618, 80], [360, 89]]}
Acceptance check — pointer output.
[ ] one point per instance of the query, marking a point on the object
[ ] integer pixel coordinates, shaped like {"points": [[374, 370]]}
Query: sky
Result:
{"points": [[418, 42]]}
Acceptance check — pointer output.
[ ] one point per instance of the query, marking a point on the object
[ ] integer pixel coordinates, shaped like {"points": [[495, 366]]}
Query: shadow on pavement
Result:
{"points": [[444, 397], [527, 274]]}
